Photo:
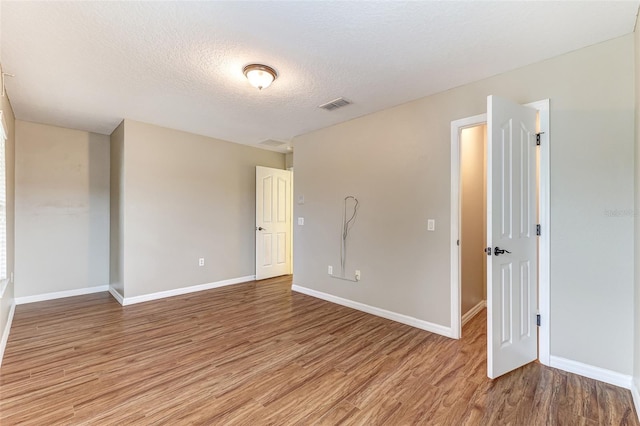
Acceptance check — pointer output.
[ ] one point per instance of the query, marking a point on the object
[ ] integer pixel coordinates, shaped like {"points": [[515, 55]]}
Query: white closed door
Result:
{"points": [[512, 335], [273, 222]]}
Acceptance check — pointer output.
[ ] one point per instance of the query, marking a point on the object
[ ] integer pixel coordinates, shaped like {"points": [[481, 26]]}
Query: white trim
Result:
{"points": [[291, 207], [184, 290], [635, 392], [456, 291], [119, 298], [5, 333], [545, 223], [404, 319], [474, 311], [4, 135], [590, 371], [4, 283], [60, 294]]}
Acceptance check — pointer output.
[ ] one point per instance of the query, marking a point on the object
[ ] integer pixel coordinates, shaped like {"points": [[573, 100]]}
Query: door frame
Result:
{"points": [[289, 206], [543, 242]]}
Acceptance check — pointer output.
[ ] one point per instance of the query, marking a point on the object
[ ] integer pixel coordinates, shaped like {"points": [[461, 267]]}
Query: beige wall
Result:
{"points": [[116, 229], [636, 322], [62, 209], [185, 197], [397, 162], [7, 297], [288, 160], [473, 217]]}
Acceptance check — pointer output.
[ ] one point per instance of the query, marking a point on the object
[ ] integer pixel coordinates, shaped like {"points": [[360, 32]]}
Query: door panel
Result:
{"points": [[267, 196], [273, 222], [511, 209]]}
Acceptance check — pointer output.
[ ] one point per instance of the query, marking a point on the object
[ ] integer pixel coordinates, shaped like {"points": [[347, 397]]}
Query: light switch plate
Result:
{"points": [[301, 221], [431, 225]]}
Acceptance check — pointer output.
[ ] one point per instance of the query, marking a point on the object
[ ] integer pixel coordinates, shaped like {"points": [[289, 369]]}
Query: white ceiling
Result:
{"points": [[88, 65]]}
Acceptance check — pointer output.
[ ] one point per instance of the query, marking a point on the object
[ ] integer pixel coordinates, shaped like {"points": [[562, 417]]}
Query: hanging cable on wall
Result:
{"points": [[2, 76], [346, 227], [348, 219]]}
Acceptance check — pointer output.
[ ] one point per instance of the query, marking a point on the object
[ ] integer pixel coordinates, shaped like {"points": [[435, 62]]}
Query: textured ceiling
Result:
{"points": [[88, 65]]}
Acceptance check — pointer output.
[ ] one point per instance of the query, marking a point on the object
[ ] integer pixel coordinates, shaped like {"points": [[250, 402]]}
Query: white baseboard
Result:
{"points": [[474, 311], [394, 316], [179, 291], [5, 333], [119, 298], [592, 372], [635, 392], [60, 294]]}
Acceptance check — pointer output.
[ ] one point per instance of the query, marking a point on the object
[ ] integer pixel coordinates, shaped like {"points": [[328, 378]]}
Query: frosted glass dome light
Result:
{"points": [[260, 76]]}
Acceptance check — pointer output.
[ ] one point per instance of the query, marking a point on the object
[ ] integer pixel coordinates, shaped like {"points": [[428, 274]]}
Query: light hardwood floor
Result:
{"points": [[257, 354]]}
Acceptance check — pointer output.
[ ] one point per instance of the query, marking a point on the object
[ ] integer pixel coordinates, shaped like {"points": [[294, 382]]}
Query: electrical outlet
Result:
{"points": [[201, 261], [357, 275], [330, 270]]}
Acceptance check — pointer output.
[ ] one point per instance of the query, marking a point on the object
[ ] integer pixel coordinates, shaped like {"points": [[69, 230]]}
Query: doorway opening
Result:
{"points": [[468, 295], [473, 221], [274, 223]]}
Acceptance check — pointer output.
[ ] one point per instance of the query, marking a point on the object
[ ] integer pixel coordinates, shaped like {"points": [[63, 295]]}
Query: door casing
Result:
{"points": [[544, 218], [275, 226]]}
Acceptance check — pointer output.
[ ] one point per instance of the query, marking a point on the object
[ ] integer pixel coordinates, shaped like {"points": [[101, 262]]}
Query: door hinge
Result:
{"points": [[458, 242], [538, 320], [538, 137], [538, 230]]}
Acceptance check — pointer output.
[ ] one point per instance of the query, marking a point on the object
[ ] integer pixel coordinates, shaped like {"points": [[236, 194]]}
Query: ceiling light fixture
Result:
{"points": [[260, 76]]}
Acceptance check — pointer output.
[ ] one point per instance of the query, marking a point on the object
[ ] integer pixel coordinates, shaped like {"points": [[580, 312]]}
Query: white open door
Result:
{"points": [[273, 222], [512, 336]]}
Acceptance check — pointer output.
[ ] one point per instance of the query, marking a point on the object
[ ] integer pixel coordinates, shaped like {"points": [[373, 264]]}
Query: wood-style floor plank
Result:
{"points": [[260, 354]]}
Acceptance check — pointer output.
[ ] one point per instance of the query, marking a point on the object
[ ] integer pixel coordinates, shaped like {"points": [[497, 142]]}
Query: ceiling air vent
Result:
{"points": [[335, 104], [272, 142]]}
